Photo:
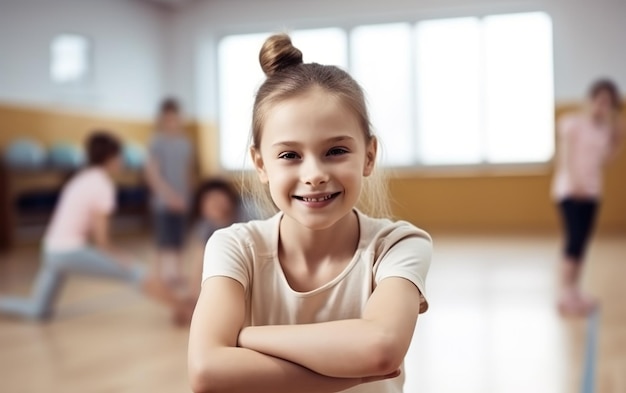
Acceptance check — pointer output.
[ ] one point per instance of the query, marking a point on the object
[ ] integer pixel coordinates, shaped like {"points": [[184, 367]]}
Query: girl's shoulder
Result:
{"points": [[377, 233], [92, 178]]}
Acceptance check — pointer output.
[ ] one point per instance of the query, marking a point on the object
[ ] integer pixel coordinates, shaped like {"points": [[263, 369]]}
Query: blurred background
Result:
{"points": [[464, 96]]}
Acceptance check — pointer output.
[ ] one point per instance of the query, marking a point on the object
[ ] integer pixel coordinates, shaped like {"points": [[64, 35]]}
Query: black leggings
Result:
{"points": [[579, 216]]}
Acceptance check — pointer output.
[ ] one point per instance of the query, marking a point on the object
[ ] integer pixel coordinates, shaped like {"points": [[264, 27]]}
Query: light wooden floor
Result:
{"points": [[491, 327]]}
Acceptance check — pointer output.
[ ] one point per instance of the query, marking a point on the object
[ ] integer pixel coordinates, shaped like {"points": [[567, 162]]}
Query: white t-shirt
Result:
{"points": [[89, 192], [248, 253]]}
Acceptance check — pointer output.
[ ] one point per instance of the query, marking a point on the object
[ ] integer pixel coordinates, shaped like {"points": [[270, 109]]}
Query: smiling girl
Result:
{"points": [[320, 297]]}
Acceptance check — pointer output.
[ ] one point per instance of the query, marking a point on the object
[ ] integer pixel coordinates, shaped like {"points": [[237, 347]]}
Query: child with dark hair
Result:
{"points": [[77, 239], [169, 173], [586, 141], [217, 205]]}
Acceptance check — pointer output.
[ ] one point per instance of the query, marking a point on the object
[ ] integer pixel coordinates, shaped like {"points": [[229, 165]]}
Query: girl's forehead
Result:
{"points": [[313, 116]]}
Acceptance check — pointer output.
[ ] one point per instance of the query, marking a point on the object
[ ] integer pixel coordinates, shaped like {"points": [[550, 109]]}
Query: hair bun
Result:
{"points": [[278, 53]]}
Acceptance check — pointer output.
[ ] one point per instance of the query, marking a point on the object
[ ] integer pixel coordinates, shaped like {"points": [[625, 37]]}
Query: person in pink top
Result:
{"points": [[586, 141], [77, 239]]}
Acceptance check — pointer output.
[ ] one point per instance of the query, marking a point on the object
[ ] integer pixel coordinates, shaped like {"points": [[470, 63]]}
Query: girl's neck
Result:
{"points": [[313, 246]]}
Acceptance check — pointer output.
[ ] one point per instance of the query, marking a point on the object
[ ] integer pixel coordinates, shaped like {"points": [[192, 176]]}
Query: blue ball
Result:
{"points": [[25, 154], [134, 155], [66, 156]]}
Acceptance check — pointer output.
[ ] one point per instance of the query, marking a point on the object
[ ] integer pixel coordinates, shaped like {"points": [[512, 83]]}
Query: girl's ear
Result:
{"points": [[259, 166], [370, 156]]}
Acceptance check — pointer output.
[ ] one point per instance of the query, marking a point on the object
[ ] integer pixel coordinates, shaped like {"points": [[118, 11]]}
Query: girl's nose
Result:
{"points": [[314, 173]]}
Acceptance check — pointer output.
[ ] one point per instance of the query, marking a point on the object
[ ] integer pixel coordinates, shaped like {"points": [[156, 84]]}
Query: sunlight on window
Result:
{"points": [[69, 59], [519, 94], [448, 91], [381, 63], [323, 46], [240, 77]]}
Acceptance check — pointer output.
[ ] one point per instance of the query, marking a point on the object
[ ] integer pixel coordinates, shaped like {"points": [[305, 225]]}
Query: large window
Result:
{"points": [[440, 92]]}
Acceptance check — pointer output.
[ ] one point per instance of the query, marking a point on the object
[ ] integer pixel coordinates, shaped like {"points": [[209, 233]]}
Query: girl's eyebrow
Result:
{"points": [[329, 140]]}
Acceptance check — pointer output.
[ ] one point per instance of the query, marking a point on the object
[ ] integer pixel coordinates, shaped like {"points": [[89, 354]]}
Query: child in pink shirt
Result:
{"points": [[586, 141], [77, 239]]}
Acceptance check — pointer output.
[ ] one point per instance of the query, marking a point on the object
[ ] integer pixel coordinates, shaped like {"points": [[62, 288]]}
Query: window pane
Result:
{"points": [[69, 58], [239, 76], [519, 87], [323, 46], [448, 91], [381, 63]]}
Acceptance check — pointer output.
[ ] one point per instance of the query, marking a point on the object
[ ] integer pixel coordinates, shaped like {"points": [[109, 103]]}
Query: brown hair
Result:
{"points": [[216, 184], [101, 146], [169, 105], [288, 77], [608, 86]]}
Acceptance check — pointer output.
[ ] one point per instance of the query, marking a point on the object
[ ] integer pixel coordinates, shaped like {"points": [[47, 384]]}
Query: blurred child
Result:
{"points": [[586, 141], [169, 172], [77, 240], [218, 205]]}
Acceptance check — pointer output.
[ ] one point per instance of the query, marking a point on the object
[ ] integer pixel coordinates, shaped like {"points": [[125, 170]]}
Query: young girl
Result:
{"points": [[320, 297], [586, 141], [77, 240], [169, 172]]}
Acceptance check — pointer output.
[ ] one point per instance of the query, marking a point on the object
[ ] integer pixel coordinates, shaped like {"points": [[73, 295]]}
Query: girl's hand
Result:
{"points": [[176, 203]]}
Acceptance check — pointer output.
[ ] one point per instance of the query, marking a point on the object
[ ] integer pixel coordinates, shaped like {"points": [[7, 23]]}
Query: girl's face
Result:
{"points": [[115, 164], [217, 206], [313, 154], [602, 104], [170, 121]]}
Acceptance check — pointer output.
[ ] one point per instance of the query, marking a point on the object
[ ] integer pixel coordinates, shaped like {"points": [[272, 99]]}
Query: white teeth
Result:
{"points": [[317, 199]]}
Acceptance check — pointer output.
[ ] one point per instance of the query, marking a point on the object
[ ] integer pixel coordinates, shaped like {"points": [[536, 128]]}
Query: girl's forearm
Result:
{"points": [[240, 370], [347, 348]]}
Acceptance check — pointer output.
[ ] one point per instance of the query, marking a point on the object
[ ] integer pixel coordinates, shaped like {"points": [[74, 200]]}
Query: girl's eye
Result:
{"points": [[337, 151], [288, 156]]}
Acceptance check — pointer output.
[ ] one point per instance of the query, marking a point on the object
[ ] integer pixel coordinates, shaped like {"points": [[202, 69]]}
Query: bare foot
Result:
{"points": [[574, 303]]}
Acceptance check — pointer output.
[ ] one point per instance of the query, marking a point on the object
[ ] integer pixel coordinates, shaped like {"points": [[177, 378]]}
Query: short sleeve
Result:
{"points": [[226, 255], [407, 258]]}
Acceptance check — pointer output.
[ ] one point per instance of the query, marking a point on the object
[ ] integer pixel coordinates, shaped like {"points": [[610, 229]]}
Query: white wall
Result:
{"points": [[128, 54], [143, 51], [588, 36]]}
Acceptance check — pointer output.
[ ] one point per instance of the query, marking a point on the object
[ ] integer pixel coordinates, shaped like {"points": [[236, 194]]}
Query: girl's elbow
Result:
{"points": [[386, 356], [198, 380], [203, 378]]}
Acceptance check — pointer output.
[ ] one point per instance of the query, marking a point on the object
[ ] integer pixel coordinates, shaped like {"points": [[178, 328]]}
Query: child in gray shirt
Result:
{"points": [[169, 173]]}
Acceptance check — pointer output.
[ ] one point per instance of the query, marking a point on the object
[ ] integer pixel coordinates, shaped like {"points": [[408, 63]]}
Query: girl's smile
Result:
{"points": [[317, 200]]}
